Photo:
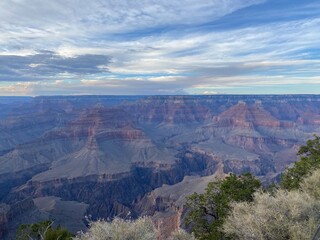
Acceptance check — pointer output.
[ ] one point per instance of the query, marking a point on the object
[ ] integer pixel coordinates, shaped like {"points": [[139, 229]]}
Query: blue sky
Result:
{"points": [[147, 47]]}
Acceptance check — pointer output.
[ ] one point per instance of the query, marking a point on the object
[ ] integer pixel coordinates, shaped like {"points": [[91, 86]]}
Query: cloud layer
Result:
{"points": [[158, 47], [46, 64]]}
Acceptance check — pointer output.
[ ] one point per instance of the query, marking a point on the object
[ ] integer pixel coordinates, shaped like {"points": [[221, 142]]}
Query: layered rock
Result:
{"points": [[114, 194], [109, 152]]}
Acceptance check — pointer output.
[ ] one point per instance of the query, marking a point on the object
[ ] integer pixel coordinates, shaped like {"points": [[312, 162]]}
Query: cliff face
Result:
{"points": [[4, 212], [109, 152], [112, 194], [9, 213]]}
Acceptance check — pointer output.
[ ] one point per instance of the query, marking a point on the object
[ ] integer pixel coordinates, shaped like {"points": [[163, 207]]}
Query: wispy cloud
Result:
{"points": [[156, 47]]}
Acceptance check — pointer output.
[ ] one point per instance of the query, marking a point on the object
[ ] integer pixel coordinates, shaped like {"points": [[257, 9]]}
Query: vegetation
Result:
{"points": [[311, 185], [289, 212], [120, 229], [182, 235], [283, 215], [309, 161], [207, 211], [231, 208], [42, 231]]}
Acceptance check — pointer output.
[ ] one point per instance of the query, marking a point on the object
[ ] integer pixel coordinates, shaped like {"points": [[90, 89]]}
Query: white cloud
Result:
{"points": [[160, 44]]}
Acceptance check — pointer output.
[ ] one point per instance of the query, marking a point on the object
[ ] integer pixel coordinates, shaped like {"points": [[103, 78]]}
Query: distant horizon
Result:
{"points": [[159, 47], [148, 95]]}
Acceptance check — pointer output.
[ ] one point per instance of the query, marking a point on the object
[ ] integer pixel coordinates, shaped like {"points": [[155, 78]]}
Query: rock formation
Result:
{"points": [[112, 152]]}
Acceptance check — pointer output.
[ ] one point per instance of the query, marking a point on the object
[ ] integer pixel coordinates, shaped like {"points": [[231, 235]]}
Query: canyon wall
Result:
{"points": [[111, 152]]}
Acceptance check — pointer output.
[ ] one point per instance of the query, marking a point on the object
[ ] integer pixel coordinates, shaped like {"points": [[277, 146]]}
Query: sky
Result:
{"points": [[155, 47]]}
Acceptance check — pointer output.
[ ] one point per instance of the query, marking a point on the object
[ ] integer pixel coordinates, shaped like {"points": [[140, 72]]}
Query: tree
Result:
{"points": [[208, 210], [309, 161], [42, 231]]}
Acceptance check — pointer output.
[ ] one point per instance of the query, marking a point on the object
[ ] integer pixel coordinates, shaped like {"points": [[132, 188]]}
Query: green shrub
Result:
{"points": [[309, 161], [42, 231], [208, 210]]}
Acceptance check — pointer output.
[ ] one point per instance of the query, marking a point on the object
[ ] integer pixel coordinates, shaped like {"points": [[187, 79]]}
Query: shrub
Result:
{"points": [[119, 229], [283, 215], [182, 235], [42, 231], [311, 185]]}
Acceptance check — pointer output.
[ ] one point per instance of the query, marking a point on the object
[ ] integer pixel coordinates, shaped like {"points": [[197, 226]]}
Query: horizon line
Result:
{"points": [[148, 95]]}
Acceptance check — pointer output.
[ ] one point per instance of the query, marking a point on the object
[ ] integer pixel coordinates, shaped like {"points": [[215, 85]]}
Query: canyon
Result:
{"points": [[128, 156]]}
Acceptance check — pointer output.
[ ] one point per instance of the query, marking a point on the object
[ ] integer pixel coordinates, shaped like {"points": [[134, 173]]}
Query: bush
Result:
{"points": [[182, 235], [311, 185], [208, 210], [119, 229], [42, 231], [283, 215]]}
